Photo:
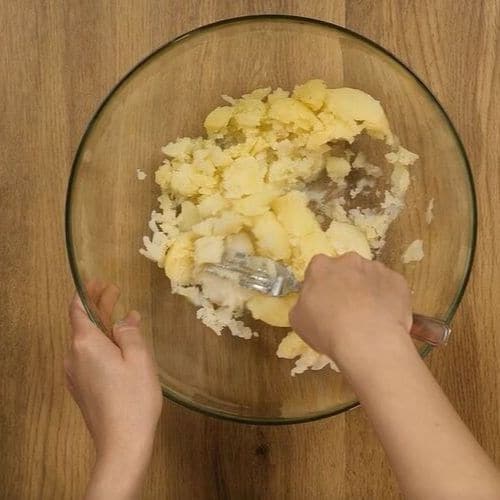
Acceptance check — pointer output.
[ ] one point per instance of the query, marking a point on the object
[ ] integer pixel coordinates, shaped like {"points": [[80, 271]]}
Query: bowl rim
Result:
{"points": [[80, 288]]}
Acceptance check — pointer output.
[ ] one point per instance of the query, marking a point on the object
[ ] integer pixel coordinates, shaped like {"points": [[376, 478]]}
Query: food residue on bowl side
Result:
{"points": [[414, 252]]}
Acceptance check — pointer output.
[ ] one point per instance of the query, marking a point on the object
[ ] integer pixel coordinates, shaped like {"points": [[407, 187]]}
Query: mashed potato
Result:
{"points": [[246, 187]]}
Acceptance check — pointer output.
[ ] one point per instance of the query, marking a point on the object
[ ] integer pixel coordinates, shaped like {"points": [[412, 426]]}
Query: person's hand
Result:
{"points": [[349, 306], [359, 313], [115, 384]]}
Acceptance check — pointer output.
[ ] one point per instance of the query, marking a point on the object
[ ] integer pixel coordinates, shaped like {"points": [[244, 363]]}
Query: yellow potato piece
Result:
{"points": [[179, 259], [272, 310], [272, 239], [164, 174], [276, 95], [312, 93], [248, 113], [332, 128], [182, 180], [307, 247], [282, 172], [189, 179], [255, 204], [353, 105], [260, 145], [227, 223], [188, 217], [337, 168], [218, 119], [294, 215], [319, 138], [292, 112], [291, 346], [345, 237], [208, 250], [244, 176], [239, 243], [180, 149], [204, 227], [218, 157], [211, 205], [258, 94]]}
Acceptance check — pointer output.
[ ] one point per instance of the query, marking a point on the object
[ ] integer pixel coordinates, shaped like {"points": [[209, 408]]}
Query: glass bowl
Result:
{"points": [[167, 96]]}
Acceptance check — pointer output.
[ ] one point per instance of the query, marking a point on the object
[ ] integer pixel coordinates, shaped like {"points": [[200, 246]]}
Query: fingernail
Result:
{"points": [[132, 319]]}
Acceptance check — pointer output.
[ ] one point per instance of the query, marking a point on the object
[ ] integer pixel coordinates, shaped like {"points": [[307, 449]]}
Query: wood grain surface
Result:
{"points": [[58, 59]]}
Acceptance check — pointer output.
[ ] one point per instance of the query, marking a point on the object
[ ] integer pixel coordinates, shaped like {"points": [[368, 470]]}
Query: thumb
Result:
{"points": [[127, 335]]}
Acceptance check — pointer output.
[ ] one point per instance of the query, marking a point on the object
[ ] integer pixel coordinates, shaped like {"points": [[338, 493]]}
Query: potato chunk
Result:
{"points": [[179, 259], [255, 204], [188, 217], [218, 119], [337, 168], [272, 310], [244, 176], [292, 112], [208, 250], [239, 243], [226, 223], [345, 237], [211, 205], [312, 93], [353, 105], [272, 239], [294, 215], [307, 247]]}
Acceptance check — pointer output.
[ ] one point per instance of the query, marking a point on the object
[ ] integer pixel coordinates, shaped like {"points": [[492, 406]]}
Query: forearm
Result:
{"points": [[430, 449]]}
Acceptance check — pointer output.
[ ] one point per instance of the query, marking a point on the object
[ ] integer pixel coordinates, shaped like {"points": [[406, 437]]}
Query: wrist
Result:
{"points": [[359, 356], [118, 474], [129, 453]]}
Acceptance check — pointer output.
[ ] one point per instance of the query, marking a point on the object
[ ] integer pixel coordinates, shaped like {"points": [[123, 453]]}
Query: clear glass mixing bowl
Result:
{"points": [[167, 96]]}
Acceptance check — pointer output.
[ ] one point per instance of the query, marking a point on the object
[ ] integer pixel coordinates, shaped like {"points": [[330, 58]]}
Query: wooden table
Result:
{"points": [[58, 59]]}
